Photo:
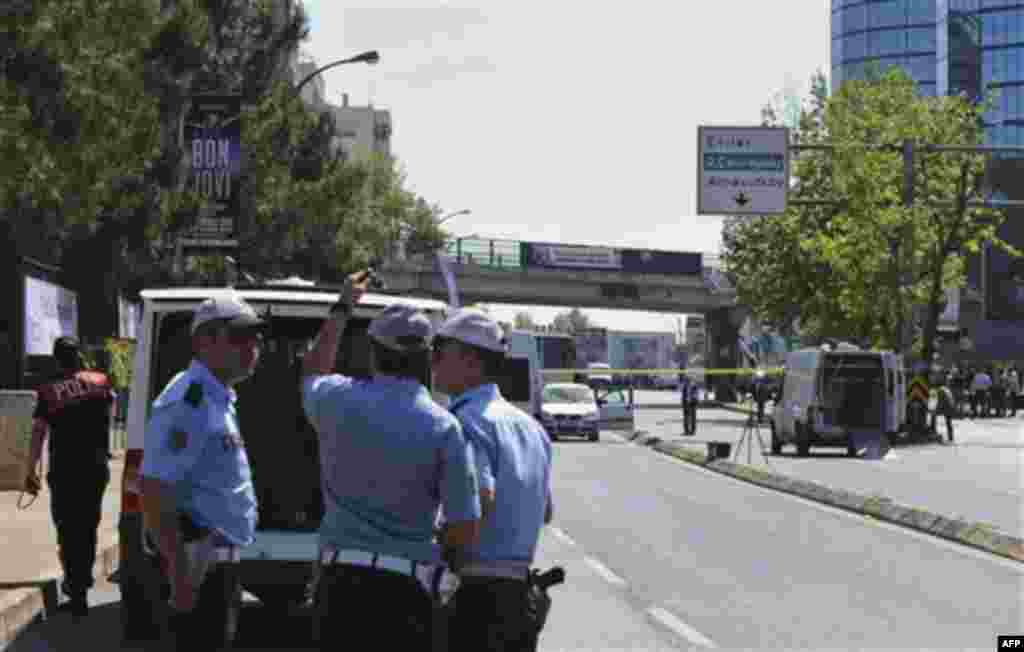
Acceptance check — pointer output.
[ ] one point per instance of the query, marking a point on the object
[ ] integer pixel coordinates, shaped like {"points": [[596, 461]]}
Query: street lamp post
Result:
{"points": [[403, 230], [464, 211], [371, 57]]}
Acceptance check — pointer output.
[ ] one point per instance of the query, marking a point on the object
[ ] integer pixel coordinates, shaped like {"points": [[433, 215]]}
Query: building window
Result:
{"points": [[886, 42], [920, 11], [855, 46], [921, 39], [890, 13], [854, 19]]}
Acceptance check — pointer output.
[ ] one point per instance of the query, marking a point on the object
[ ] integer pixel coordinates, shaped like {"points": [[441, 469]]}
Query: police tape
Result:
{"points": [[776, 371]]}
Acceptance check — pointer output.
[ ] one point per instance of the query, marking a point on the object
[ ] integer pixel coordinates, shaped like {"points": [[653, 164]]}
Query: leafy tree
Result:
{"points": [[524, 321], [77, 116], [315, 214], [107, 198], [571, 322], [833, 265]]}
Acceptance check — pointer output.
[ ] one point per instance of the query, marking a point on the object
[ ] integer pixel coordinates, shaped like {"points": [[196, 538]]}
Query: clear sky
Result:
{"points": [[569, 121]]}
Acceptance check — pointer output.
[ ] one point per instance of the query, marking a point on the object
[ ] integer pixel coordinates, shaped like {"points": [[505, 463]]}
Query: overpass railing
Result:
{"points": [[499, 253], [493, 253], [507, 254]]}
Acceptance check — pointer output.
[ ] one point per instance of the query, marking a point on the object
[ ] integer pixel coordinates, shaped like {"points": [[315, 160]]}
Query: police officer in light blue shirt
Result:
{"points": [[513, 456], [197, 487], [390, 458]]}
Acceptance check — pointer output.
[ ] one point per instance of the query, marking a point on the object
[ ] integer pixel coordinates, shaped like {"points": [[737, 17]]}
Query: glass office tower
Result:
{"points": [[892, 33], [957, 46]]}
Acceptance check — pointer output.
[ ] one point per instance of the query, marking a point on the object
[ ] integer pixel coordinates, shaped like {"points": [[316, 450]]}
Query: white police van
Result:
{"points": [[282, 446], [831, 395]]}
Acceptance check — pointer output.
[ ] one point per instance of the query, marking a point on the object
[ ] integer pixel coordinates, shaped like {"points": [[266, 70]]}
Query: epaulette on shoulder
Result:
{"points": [[194, 394]]}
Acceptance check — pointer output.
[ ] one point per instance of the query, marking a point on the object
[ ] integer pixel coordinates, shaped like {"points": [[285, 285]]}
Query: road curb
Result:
{"points": [[23, 606], [977, 535]]}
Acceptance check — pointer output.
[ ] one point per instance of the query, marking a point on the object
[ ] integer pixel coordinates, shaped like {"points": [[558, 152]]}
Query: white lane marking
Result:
{"points": [[861, 518], [604, 572], [669, 620], [562, 536], [606, 433]]}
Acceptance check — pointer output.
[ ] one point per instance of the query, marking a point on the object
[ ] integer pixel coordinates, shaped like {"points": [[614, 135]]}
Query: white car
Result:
{"points": [[570, 409], [616, 409]]}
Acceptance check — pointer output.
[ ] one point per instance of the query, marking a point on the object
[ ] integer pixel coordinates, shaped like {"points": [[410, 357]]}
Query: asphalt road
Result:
{"points": [[588, 613], [981, 478], [661, 555], [744, 567]]}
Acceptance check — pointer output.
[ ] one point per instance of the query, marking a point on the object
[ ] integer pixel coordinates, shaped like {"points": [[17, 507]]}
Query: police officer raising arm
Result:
{"points": [[198, 496], [390, 458], [492, 609]]}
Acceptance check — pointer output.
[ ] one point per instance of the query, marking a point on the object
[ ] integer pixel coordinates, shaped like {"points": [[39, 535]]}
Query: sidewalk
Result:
{"points": [[29, 567], [972, 492]]}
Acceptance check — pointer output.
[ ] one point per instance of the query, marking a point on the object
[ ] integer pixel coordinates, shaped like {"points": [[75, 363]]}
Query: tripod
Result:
{"points": [[751, 429]]}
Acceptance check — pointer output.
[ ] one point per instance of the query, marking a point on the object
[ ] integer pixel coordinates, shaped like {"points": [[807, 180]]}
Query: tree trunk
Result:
{"points": [[931, 326]]}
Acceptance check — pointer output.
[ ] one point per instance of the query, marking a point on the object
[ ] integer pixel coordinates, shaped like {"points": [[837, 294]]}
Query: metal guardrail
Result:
{"points": [[493, 253]]}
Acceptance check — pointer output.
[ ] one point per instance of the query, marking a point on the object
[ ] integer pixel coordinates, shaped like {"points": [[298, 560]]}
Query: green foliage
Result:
{"points": [[832, 266], [76, 115], [314, 213], [122, 361], [91, 98], [524, 321], [571, 322]]}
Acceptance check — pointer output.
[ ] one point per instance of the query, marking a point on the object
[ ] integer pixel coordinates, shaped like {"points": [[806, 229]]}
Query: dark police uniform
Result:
{"points": [[76, 408], [390, 458], [193, 443]]}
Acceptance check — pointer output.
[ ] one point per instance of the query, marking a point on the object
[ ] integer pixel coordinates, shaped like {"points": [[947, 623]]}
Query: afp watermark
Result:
{"points": [[1010, 642]]}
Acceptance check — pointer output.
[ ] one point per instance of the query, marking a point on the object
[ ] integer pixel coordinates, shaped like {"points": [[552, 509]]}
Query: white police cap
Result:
{"points": [[228, 307], [476, 328], [402, 327]]}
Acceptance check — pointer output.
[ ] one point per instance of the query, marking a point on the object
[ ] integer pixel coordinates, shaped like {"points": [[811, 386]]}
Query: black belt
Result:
{"points": [[190, 530]]}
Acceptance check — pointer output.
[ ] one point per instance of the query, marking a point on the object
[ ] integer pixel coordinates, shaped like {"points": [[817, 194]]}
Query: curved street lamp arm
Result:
{"points": [[370, 57]]}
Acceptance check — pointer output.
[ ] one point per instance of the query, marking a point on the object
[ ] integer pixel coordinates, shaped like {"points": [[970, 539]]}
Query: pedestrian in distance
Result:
{"points": [[998, 393], [390, 458], [73, 410], [1012, 391], [689, 396], [945, 407], [684, 393], [198, 500], [496, 606], [980, 386]]}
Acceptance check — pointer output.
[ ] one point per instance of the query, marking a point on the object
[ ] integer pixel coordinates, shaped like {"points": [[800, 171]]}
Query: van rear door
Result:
{"points": [[514, 382], [853, 390]]}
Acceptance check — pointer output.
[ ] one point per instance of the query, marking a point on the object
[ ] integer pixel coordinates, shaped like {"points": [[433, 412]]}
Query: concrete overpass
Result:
{"points": [[498, 271], [481, 283]]}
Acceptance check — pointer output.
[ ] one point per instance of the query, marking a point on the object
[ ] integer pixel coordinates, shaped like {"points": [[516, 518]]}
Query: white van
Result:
{"points": [[282, 446], [828, 396]]}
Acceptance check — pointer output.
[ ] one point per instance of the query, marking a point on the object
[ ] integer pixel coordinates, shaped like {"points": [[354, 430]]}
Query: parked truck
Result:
{"points": [[281, 444]]}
